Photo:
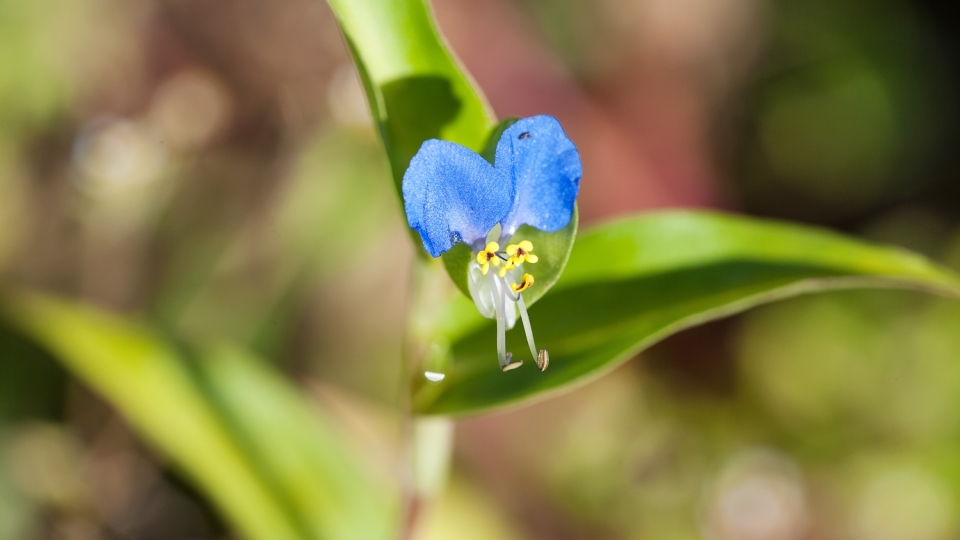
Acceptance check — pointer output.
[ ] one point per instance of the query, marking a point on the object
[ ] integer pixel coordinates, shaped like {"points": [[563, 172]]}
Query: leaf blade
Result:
{"points": [[633, 282], [415, 88], [207, 415]]}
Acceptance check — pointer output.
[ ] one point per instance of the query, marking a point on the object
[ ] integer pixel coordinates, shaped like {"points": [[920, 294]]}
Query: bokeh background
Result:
{"points": [[210, 166]]}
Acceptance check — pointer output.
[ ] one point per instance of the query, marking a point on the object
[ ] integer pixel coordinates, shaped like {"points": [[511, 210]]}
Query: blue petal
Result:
{"points": [[451, 194], [546, 167]]}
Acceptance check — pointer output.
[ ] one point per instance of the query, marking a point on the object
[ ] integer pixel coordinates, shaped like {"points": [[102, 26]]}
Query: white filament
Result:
{"points": [[484, 292], [489, 293], [527, 327], [501, 330]]}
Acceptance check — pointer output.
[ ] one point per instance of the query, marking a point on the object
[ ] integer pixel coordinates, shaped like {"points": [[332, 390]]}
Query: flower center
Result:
{"points": [[491, 292]]}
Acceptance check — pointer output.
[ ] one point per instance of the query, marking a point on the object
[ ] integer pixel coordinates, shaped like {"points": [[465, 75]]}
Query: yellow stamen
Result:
{"points": [[520, 253], [488, 256], [525, 283]]}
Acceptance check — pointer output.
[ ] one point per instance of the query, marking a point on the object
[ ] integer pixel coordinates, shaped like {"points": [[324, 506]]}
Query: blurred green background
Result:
{"points": [[211, 167]]}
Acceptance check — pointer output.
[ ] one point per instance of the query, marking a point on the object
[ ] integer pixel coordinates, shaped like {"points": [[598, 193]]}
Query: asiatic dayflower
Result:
{"points": [[451, 194]]}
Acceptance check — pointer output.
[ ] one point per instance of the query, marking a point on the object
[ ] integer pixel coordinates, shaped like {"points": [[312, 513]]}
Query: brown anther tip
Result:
{"points": [[543, 359], [511, 365]]}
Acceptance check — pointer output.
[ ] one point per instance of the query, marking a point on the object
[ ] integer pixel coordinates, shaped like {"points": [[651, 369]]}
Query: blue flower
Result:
{"points": [[451, 194]]}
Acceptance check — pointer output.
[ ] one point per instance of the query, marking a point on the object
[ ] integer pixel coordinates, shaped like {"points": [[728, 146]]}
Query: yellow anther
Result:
{"points": [[520, 253], [525, 283], [488, 256]]}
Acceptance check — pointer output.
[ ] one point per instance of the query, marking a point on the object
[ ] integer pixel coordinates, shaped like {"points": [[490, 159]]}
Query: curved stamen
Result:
{"points": [[491, 300], [527, 327], [539, 357]]}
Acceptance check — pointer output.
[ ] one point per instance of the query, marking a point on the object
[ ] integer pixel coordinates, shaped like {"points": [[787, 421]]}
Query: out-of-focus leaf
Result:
{"points": [[415, 88], [633, 282], [296, 453], [32, 383], [233, 426]]}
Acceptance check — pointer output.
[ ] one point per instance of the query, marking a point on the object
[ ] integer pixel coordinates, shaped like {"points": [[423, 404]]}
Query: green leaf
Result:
{"points": [[263, 456], [489, 151], [415, 88], [631, 283]]}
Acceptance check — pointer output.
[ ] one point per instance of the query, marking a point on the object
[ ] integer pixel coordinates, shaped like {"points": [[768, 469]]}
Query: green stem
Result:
{"points": [[430, 439]]}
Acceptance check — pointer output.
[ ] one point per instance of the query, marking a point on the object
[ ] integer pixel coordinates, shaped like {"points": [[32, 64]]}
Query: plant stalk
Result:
{"points": [[429, 440]]}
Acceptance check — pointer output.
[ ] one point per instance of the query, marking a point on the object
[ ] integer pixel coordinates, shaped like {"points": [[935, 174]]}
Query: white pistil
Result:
{"points": [[527, 327]]}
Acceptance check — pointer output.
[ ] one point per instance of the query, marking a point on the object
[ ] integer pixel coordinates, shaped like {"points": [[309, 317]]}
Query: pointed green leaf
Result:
{"points": [[633, 282], [414, 86], [266, 460]]}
